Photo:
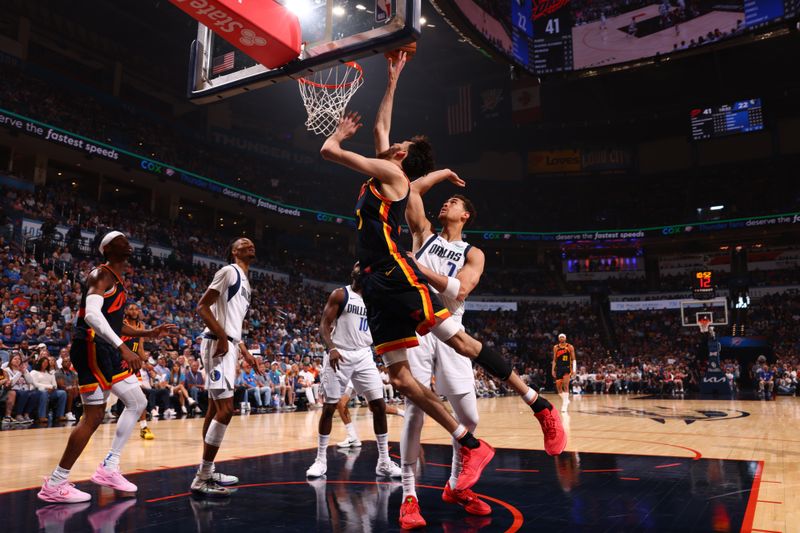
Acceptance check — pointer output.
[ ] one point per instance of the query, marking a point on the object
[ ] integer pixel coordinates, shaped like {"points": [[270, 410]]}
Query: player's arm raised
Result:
{"points": [[98, 283], [383, 121], [329, 315], [418, 223], [380, 169]]}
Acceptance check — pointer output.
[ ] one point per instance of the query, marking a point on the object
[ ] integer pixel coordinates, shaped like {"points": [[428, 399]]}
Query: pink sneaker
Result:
{"points": [[62, 493], [114, 479]]}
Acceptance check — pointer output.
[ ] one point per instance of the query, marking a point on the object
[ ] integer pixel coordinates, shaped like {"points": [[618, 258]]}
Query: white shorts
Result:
{"points": [[356, 366], [220, 371], [433, 357]]}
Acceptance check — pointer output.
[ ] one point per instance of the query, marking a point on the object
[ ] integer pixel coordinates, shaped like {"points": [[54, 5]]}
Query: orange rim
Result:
{"points": [[351, 64]]}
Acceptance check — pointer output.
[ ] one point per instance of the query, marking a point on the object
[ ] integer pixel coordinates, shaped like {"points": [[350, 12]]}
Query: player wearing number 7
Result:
{"points": [[345, 332]]}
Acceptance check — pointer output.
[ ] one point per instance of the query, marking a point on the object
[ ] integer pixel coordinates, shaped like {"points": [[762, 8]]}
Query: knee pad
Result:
{"points": [[215, 434]]}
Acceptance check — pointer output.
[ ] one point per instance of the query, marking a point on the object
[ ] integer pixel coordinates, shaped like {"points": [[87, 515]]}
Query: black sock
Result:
{"points": [[540, 405], [469, 441]]}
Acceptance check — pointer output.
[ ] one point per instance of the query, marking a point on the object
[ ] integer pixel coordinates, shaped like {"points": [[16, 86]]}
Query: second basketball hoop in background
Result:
{"points": [[326, 94]]}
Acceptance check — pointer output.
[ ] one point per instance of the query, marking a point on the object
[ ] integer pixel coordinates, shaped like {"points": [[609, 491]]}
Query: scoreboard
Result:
{"points": [[542, 35], [703, 285], [739, 117]]}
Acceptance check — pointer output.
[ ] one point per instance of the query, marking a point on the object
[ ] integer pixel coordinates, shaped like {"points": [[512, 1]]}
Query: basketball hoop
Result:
{"points": [[704, 324], [326, 94]]}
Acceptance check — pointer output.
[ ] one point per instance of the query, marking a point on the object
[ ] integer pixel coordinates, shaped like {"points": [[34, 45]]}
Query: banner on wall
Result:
{"points": [[575, 161]]}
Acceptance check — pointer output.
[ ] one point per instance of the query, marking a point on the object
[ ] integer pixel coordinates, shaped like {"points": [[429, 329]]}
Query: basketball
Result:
{"points": [[410, 49]]}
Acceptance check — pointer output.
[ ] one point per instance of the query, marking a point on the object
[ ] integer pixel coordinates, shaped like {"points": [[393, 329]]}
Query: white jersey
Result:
{"points": [[351, 331], [446, 258], [233, 302]]}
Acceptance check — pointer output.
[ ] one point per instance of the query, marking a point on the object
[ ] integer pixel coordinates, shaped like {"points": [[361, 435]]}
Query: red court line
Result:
{"points": [[768, 501], [518, 519], [630, 478], [766, 530], [765, 481], [750, 512], [669, 465], [697, 454], [603, 470], [514, 470]]}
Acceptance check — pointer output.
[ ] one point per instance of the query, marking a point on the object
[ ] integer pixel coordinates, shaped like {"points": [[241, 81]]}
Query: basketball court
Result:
{"points": [[631, 465], [597, 47], [705, 462]]}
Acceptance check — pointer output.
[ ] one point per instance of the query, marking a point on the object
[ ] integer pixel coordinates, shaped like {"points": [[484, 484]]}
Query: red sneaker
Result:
{"points": [[466, 499], [473, 462], [410, 517], [555, 438]]}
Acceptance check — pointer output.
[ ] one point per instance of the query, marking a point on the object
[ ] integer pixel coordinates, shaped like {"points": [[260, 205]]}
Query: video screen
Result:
{"points": [[728, 119], [546, 36]]}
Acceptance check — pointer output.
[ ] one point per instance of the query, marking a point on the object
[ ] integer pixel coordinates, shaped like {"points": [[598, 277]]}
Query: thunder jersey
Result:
{"points": [[379, 220], [113, 308], [446, 258], [233, 302], [351, 331]]}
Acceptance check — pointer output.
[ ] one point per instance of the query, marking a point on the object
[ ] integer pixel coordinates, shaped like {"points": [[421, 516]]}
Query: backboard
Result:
{"points": [[333, 31], [715, 310]]}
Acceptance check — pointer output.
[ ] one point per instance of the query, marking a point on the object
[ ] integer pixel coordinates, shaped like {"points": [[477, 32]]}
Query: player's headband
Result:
{"points": [[562, 336], [110, 236]]}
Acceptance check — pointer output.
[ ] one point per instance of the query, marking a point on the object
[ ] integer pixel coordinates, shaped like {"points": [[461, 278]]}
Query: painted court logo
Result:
{"points": [[662, 414]]}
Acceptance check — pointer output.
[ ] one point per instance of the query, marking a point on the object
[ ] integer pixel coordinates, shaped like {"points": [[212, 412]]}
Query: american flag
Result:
{"points": [[222, 63], [459, 110]]}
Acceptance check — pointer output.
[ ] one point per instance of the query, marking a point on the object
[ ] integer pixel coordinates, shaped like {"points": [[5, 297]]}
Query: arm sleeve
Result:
{"points": [[222, 280], [94, 317]]}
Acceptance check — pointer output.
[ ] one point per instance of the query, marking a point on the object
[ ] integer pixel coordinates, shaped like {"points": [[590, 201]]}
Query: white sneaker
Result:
{"points": [[318, 469], [154, 412], [388, 469], [349, 442], [564, 406], [224, 479], [208, 488], [70, 417], [183, 409]]}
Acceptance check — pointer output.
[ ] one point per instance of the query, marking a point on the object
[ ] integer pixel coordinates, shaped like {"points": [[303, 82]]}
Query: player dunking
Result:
{"points": [[564, 367], [104, 364], [223, 308], [399, 303], [345, 332]]}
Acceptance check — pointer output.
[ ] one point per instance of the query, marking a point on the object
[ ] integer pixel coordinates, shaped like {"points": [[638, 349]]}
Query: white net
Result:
{"points": [[326, 94]]}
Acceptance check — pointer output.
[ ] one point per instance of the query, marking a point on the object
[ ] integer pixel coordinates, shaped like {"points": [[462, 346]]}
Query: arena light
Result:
{"points": [[423, 21], [361, 7], [338, 11], [300, 8], [716, 208]]}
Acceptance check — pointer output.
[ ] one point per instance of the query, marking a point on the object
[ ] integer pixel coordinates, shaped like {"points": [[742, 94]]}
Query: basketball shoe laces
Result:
{"points": [[410, 506]]}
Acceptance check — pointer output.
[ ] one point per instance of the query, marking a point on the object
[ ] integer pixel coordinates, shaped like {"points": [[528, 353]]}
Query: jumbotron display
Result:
{"points": [[548, 36], [740, 117]]}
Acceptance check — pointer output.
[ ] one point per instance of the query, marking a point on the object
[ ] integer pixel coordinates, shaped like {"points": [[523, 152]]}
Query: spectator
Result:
{"points": [[44, 380], [67, 380]]}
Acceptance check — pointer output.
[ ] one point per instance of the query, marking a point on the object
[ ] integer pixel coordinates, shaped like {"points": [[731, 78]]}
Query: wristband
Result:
{"points": [[453, 286]]}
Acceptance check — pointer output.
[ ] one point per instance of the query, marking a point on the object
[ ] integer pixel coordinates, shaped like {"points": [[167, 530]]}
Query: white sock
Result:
{"points": [[111, 462], [401, 412], [59, 475], [143, 424], [530, 396], [322, 448], [383, 447], [351, 431], [409, 481], [459, 432], [206, 469]]}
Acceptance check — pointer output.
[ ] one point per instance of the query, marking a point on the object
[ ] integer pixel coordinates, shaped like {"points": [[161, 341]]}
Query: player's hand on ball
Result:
{"points": [[349, 125], [395, 66]]}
